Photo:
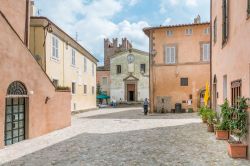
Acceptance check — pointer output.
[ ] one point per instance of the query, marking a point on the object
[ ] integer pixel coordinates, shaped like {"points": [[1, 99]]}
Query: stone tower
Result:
{"points": [[110, 48]]}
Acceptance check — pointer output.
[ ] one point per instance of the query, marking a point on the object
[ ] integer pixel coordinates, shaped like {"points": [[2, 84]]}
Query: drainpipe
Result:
{"points": [[211, 44]]}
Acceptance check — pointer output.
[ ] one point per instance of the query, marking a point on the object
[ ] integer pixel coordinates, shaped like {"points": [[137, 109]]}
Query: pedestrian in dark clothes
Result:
{"points": [[145, 106]]}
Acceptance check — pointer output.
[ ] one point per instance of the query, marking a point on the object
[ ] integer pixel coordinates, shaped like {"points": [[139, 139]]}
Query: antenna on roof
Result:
{"points": [[76, 37], [39, 12]]}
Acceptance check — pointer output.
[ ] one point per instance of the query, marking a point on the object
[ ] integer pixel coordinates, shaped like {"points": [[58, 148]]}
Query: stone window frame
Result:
{"points": [[202, 51], [169, 33], [175, 45]]}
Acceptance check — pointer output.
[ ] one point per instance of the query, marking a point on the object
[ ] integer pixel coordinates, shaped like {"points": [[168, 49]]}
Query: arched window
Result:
{"points": [[16, 88]]}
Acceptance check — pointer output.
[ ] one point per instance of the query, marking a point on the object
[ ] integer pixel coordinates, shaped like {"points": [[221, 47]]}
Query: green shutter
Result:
{"points": [[248, 6]]}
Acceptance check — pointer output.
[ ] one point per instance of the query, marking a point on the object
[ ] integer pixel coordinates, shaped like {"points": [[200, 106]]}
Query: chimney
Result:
{"points": [[32, 8], [197, 20]]}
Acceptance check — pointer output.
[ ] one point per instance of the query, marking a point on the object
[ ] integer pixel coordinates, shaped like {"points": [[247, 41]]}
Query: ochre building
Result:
{"points": [[179, 65], [67, 63]]}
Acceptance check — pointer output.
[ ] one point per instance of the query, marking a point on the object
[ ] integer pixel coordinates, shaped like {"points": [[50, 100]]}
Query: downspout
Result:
{"points": [[211, 44], [63, 62], [26, 33]]}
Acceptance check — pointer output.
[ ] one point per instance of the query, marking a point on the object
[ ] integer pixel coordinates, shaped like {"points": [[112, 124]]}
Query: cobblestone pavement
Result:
{"points": [[185, 143]]}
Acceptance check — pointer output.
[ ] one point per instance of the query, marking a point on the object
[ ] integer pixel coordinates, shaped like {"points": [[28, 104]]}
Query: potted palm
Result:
{"points": [[222, 129], [238, 128]]}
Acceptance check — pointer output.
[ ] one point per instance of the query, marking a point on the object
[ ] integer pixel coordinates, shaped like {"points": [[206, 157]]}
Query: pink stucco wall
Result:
{"points": [[15, 12], [18, 64], [233, 58]]}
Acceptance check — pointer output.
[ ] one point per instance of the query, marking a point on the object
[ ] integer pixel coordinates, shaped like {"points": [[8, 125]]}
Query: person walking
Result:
{"points": [[145, 106]]}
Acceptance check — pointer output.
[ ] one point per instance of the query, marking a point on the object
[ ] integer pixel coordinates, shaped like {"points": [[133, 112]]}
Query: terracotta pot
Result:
{"points": [[204, 120], [210, 127], [222, 134], [237, 150]]}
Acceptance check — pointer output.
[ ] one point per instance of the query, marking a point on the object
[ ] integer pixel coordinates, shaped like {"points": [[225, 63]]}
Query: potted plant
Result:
{"points": [[210, 120], [238, 128], [203, 113], [222, 129], [190, 110]]}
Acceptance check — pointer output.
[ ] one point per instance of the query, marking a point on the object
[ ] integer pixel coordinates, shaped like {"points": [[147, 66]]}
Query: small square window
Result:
{"points": [[184, 81], [207, 31], [143, 68]]}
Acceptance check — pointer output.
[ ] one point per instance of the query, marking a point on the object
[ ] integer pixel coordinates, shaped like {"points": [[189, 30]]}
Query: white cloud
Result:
{"points": [[133, 2], [93, 22], [167, 21], [191, 3]]}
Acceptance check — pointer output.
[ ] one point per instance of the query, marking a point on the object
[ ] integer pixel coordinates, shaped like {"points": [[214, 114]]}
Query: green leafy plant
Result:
{"points": [[205, 112], [225, 116], [190, 110], [238, 121], [210, 117], [63, 88]]}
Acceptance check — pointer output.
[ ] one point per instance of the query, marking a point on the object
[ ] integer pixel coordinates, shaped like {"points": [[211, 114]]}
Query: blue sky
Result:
{"points": [[94, 20]]}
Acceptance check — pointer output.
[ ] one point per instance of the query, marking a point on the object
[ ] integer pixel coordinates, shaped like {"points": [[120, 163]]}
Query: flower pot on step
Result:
{"points": [[210, 127], [237, 150], [222, 134]]}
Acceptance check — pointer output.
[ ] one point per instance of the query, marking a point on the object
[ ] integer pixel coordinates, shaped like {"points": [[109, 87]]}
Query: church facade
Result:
{"points": [[129, 76]]}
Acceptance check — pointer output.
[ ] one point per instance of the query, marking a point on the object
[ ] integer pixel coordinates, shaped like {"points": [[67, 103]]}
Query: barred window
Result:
{"points": [[184, 81]]}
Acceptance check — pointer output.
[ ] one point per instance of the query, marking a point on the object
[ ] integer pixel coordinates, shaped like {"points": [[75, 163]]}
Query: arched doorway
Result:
{"points": [[16, 103], [201, 97]]}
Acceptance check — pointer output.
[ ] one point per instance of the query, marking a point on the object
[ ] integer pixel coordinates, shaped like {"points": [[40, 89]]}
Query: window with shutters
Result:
{"points": [[85, 65], [225, 19], [93, 90], [73, 88], [170, 55], [215, 30], [207, 31], [248, 7], [73, 57], [184, 81], [85, 89], [169, 33], [189, 31], [93, 69], [55, 48], [235, 93], [205, 52]]}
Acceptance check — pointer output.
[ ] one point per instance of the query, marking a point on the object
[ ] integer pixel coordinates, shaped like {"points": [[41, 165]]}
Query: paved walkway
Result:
{"points": [[124, 137]]}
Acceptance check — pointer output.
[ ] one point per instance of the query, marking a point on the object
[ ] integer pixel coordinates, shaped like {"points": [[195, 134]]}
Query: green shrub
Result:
{"points": [[225, 116]]}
